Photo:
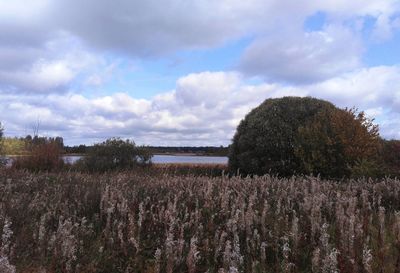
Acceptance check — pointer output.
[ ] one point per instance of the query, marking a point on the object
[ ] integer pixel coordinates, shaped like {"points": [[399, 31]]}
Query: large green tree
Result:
{"points": [[294, 135]]}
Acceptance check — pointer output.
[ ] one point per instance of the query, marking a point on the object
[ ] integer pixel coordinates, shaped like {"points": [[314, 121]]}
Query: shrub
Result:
{"points": [[302, 135], [42, 157], [390, 155], [367, 168], [2, 159], [14, 146], [114, 154]]}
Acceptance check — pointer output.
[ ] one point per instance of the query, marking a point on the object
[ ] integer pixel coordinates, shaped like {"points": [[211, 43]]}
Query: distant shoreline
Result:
{"points": [[169, 154], [190, 154]]}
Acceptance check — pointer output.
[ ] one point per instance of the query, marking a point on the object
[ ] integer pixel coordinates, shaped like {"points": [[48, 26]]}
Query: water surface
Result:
{"points": [[160, 159]]}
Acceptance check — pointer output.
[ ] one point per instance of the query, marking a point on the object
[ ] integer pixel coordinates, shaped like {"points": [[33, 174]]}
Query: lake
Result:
{"points": [[159, 159]]}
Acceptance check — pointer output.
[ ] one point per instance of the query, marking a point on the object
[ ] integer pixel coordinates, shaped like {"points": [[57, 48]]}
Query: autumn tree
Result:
{"points": [[293, 135], [339, 142]]}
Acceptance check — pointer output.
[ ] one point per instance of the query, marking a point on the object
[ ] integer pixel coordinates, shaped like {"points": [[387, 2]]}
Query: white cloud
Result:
{"points": [[167, 119], [143, 28], [303, 57], [385, 27], [121, 103], [42, 76], [358, 7], [43, 31], [364, 88], [21, 9], [50, 69], [210, 88]]}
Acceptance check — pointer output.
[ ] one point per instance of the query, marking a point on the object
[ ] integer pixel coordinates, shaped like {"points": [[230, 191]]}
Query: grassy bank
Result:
{"points": [[130, 222]]}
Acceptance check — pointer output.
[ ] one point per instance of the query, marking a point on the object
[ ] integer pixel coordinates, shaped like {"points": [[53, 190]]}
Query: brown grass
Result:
{"points": [[130, 222]]}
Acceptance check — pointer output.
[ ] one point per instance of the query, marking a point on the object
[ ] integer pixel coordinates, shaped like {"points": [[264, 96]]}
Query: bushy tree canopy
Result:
{"points": [[114, 153], [390, 153], [339, 142], [293, 135]]}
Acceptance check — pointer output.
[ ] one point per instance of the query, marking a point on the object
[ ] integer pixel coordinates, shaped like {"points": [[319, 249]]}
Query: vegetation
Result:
{"points": [[114, 154], [337, 143], [295, 135], [1, 131], [78, 149], [390, 154], [45, 154], [208, 150], [125, 222], [14, 146], [24, 145], [2, 160], [209, 170]]}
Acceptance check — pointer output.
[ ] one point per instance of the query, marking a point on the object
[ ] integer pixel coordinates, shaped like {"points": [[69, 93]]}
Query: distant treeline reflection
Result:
{"points": [[206, 150], [22, 145]]}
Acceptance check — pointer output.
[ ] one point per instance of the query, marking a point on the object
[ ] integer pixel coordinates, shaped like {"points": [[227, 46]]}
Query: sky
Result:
{"points": [[186, 72]]}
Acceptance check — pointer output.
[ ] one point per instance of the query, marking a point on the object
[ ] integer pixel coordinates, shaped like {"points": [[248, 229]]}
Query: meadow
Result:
{"points": [[170, 222]]}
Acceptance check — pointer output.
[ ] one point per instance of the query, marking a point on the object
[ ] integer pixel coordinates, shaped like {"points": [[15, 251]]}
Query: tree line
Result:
{"points": [[22, 145]]}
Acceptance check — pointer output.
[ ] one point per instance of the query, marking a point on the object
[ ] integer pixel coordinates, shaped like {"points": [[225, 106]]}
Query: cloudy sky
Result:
{"points": [[185, 72]]}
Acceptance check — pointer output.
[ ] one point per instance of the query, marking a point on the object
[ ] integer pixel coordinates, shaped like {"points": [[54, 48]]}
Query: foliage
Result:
{"points": [[212, 170], [81, 149], [390, 154], [24, 145], [367, 168], [2, 159], [114, 154], [37, 141], [45, 156], [265, 140], [14, 146], [205, 150], [130, 222], [304, 136], [337, 140]]}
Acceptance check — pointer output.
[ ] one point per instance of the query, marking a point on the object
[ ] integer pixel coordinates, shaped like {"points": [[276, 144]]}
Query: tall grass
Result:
{"points": [[127, 222], [42, 157]]}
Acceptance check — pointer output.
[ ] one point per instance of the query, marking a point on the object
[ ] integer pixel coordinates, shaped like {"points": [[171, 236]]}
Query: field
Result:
{"points": [[165, 222]]}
